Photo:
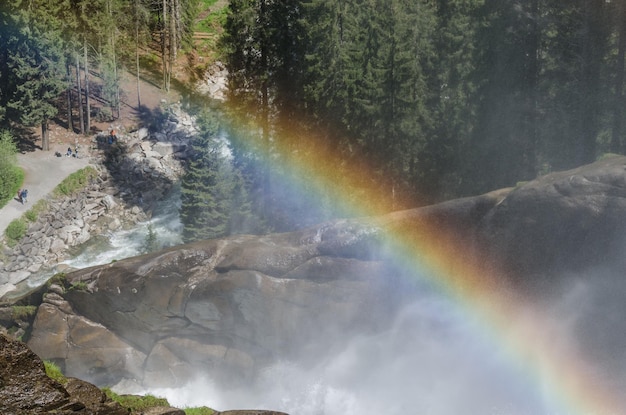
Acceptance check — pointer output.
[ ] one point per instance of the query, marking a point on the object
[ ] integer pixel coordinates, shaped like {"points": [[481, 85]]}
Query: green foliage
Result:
{"points": [[441, 98], [59, 278], [78, 286], [54, 372], [33, 213], [11, 176], [75, 182], [134, 402], [214, 21], [23, 312], [208, 185], [151, 243], [203, 410], [15, 231]]}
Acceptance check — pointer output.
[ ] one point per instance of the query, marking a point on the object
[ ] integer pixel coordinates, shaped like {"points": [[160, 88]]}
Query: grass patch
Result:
{"points": [[213, 22], [75, 182], [79, 286], [23, 311], [15, 231], [607, 156], [134, 402], [32, 214], [54, 372], [203, 410]]}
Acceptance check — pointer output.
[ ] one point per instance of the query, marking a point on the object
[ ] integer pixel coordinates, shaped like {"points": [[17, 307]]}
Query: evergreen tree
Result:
{"points": [[207, 186], [35, 68], [10, 173], [151, 243]]}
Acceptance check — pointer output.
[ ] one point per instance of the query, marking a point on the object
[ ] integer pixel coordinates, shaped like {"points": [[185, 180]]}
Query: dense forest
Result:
{"points": [[443, 98]]}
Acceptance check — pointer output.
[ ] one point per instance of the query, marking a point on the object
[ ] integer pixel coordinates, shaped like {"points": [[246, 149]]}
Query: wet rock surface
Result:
{"points": [[228, 307], [26, 389]]}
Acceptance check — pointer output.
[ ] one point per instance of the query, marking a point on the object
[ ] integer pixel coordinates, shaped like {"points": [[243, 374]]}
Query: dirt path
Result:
{"points": [[44, 171]]}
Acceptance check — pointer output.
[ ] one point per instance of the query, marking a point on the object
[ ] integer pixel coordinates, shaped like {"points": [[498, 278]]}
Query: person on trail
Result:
{"points": [[19, 196], [112, 137], [24, 196], [69, 152]]}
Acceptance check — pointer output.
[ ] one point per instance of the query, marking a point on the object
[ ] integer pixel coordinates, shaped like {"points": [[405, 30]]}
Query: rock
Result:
{"points": [[24, 386], [142, 133], [560, 223], [93, 398], [18, 276], [57, 246], [234, 305], [249, 412], [163, 410], [109, 202], [6, 288]]}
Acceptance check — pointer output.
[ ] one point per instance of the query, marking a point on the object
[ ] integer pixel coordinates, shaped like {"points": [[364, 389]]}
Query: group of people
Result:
{"points": [[70, 154], [22, 196]]}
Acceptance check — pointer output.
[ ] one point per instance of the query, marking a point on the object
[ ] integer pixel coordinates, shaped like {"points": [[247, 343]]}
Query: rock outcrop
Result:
{"points": [[25, 388], [133, 174], [228, 307]]}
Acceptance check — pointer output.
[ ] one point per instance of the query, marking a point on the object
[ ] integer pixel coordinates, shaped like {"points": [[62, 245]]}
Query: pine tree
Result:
{"points": [[207, 186], [35, 59]]}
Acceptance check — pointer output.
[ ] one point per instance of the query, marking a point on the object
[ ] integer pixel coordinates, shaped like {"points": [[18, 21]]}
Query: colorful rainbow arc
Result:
{"points": [[522, 334]]}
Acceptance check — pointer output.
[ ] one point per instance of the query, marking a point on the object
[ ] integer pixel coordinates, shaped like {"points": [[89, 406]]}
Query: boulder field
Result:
{"points": [[230, 306]]}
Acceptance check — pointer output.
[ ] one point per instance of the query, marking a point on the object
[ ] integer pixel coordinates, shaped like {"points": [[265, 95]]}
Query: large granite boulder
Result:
{"points": [[228, 307], [26, 389], [560, 223]]}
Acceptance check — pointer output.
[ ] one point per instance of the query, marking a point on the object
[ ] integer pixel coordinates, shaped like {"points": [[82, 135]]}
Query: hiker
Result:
{"points": [[69, 152], [24, 196], [19, 196], [112, 137]]}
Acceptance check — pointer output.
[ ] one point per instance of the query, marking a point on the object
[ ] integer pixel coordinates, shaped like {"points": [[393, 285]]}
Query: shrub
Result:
{"points": [[54, 372], [79, 286], [22, 311], [75, 182], [136, 403], [11, 176], [15, 231], [203, 410], [32, 214]]}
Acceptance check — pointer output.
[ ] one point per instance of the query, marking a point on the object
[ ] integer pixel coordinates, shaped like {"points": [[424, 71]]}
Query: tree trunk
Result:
{"points": [[618, 106], [265, 118], [70, 119], [87, 103], [80, 96], [45, 136], [137, 56], [531, 81], [164, 47]]}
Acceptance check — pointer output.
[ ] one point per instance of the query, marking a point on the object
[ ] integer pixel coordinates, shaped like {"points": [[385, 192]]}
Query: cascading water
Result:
{"points": [[430, 361], [165, 223]]}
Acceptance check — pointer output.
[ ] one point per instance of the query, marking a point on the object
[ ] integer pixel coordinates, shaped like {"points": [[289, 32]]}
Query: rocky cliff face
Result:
{"points": [[230, 306], [25, 388]]}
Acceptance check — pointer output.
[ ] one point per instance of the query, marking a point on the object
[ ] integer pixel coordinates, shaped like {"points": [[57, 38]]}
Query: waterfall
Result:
{"points": [[103, 249]]}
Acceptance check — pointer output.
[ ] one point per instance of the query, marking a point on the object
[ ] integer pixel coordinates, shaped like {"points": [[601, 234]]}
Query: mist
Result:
{"points": [[436, 358]]}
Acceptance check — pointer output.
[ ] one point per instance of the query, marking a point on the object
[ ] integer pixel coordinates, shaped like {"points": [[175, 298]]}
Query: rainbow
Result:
{"points": [[530, 342]]}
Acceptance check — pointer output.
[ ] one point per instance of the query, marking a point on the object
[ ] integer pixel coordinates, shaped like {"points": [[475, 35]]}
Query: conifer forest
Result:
{"points": [[443, 98]]}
